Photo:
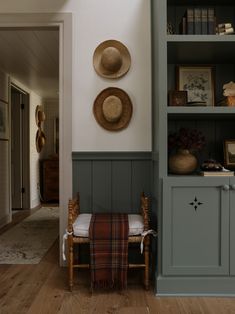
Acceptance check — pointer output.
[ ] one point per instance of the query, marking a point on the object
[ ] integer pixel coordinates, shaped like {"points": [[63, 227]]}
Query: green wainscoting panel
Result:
{"points": [[85, 185], [121, 172], [111, 181], [101, 186]]}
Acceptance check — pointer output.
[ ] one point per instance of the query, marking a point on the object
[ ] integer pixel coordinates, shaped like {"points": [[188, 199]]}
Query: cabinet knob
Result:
{"points": [[225, 187], [233, 186]]}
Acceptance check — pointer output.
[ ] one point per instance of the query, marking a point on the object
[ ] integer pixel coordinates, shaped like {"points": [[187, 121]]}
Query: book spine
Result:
{"points": [[204, 21], [190, 21], [197, 21], [182, 26], [211, 21]]}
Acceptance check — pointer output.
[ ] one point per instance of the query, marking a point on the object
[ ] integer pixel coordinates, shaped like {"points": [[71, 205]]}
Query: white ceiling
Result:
{"points": [[31, 56]]}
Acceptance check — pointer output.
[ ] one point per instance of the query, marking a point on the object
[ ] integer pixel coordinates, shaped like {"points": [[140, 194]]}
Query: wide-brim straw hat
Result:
{"points": [[113, 109], [39, 115], [111, 59], [40, 140]]}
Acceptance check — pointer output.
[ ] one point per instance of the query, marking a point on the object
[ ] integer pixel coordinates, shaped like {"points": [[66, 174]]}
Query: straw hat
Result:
{"points": [[39, 115], [113, 109], [40, 140], [111, 59]]}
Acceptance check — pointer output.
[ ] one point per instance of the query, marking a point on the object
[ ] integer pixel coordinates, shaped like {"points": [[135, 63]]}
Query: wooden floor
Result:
{"points": [[42, 288]]}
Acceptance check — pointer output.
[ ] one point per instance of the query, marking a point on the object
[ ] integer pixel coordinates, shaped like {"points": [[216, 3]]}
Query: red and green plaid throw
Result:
{"points": [[108, 235]]}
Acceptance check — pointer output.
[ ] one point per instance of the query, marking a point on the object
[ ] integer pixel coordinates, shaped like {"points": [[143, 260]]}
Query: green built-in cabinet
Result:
{"points": [[197, 226], [196, 246]]}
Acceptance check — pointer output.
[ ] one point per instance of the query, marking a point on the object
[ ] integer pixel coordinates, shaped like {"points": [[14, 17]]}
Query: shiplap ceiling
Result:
{"points": [[31, 56]]}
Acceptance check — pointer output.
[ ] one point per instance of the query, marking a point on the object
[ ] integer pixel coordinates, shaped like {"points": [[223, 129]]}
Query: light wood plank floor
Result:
{"points": [[42, 289]]}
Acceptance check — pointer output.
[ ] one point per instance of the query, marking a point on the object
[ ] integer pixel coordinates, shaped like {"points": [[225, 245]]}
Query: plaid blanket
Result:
{"points": [[108, 235]]}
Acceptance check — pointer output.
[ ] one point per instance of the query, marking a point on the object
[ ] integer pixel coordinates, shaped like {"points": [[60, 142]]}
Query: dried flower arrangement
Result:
{"points": [[190, 139]]}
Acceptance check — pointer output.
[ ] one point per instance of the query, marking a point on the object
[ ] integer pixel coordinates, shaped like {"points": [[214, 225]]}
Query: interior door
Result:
{"points": [[19, 149], [16, 151]]}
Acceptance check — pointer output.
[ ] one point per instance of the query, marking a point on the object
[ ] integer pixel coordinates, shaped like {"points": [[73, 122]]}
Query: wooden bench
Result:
{"points": [[81, 236]]}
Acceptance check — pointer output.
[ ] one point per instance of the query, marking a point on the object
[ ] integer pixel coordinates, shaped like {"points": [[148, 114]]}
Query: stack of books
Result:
{"points": [[222, 173], [198, 21], [224, 29]]}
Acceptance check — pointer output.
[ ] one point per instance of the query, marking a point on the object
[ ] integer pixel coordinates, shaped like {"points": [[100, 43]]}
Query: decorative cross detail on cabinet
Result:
{"points": [[195, 203]]}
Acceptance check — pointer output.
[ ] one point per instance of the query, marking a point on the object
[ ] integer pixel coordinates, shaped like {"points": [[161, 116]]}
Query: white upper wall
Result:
{"points": [[94, 22], [128, 22]]}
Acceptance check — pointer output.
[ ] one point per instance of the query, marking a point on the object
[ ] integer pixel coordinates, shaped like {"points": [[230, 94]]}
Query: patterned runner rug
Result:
{"points": [[28, 241]]}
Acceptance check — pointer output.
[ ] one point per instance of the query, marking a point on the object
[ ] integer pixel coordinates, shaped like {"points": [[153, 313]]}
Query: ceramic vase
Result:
{"points": [[182, 162]]}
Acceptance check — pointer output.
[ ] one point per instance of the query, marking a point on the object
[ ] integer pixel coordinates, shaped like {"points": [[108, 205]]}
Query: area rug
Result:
{"points": [[28, 241]]}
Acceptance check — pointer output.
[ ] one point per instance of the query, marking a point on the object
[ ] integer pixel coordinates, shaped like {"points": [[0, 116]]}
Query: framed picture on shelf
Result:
{"points": [[229, 153], [4, 123], [198, 81], [177, 98]]}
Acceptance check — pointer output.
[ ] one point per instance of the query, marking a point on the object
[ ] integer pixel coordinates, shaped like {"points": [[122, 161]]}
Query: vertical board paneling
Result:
{"points": [[121, 186], [111, 182], [141, 181], [82, 183], [208, 129], [101, 186]]}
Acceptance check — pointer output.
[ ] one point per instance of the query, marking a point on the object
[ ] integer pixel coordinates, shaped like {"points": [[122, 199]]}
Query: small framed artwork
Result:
{"points": [[229, 153], [4, 122], [177, 98], [198, 81]]}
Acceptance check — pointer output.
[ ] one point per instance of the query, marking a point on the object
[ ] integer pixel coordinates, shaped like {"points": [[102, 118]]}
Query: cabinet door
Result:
{"points": [[195, 226], [232, 226]]}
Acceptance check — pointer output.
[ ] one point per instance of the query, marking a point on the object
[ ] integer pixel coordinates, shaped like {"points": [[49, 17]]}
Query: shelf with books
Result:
{"points": [[203, 17]]}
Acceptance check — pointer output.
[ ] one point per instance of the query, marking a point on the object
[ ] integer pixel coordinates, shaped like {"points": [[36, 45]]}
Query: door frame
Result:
{"points": [[65, 22]]}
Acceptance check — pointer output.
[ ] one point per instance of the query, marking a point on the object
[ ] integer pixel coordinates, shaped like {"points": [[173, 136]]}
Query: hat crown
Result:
{"points": [[111, 59], [112, 108]]}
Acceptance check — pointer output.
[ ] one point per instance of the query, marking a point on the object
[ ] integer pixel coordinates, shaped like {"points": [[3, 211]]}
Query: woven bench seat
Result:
{"points": [[82, 223], [78, 229]]}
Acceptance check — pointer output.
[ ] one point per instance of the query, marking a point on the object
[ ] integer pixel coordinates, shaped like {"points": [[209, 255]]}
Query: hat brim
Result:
{"points": [[126, 112], [126, 59], [38, 108], [40, 140], [39, 115]]}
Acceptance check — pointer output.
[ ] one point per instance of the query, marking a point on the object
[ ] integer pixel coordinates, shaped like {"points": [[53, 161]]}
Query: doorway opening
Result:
{"points": [[64, 23]]}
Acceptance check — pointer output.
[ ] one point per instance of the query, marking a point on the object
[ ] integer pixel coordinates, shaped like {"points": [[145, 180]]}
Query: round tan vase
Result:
{"points": [[182, 162]]}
